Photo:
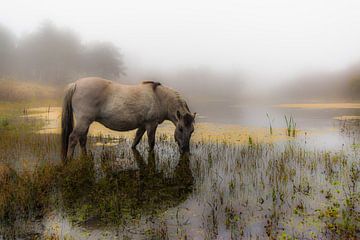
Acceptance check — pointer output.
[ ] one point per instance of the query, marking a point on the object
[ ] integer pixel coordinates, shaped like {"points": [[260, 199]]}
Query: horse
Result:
{"points": [[122, 107]]}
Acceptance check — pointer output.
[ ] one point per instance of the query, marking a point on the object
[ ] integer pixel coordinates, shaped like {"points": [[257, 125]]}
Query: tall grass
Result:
{"points": [[270, 123], [290, 126]]}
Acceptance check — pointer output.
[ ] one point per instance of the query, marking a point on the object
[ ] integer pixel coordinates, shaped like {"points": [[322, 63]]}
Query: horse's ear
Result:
{"points": [[178, 115], [194, 115]]}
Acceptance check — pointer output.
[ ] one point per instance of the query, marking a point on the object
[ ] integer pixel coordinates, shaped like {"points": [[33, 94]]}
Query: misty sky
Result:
{"points": [[268, 40]]}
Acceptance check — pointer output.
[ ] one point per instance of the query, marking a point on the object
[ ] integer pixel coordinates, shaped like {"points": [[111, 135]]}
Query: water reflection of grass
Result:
{"points": [[236, 191]]}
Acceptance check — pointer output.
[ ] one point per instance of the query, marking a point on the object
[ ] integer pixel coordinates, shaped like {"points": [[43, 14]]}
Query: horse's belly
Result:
{"points": [[123, 113], [119, 125]]}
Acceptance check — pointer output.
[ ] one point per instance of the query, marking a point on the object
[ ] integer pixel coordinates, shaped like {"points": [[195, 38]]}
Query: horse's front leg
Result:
{"points": [[151, 130], [139, 133]]}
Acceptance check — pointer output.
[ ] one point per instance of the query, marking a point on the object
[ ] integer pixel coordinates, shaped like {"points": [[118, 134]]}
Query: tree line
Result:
{"points": [[55, 55]]}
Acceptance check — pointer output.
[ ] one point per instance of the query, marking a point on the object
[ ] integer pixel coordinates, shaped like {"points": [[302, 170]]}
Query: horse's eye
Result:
{"points": [[181, 129]]}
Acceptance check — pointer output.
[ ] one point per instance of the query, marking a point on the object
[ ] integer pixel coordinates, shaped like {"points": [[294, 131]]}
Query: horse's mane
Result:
{"points": [[177, 97], [181, 100], [154, 84]]}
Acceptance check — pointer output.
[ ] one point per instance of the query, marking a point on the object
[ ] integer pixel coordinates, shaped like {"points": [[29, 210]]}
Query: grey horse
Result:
{"points": [[122, 107]]}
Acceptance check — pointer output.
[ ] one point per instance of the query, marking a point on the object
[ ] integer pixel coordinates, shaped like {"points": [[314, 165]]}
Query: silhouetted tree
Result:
{"points": [[103, 60], [56, 55], [50, 54]]}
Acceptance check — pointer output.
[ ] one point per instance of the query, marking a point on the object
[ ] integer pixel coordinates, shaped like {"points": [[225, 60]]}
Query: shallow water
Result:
{"points": [[317, 125], [230, 187], [222, 191]]}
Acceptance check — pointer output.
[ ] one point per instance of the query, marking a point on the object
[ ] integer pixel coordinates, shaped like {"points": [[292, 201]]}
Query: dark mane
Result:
{"points": [[154, 84]]}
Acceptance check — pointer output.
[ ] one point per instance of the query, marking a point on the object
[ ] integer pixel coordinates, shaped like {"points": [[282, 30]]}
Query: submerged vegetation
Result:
{"points": [[249, 190]]}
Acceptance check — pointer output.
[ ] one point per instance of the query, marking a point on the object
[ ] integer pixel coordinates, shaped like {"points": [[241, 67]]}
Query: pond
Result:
{"points": [[241, 180]]}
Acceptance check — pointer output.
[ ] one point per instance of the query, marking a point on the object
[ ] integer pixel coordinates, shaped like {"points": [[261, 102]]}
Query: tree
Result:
{"points": [[50, 54], [56, 55], [103, 60]]}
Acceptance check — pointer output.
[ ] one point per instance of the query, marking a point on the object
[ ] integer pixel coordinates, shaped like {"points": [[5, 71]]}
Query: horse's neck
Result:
{"points": [[173, 107], [172, 103], [172, 117]]}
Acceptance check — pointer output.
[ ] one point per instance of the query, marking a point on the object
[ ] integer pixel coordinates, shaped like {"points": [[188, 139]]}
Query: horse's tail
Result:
{"points": [[67, 120]]}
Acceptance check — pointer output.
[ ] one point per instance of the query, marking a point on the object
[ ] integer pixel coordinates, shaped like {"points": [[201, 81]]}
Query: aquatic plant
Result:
{"points": [[270, 125], [290, 126]]}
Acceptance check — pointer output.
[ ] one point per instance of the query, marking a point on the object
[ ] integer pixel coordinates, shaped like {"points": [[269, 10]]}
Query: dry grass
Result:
{"points": [[14, 90]]}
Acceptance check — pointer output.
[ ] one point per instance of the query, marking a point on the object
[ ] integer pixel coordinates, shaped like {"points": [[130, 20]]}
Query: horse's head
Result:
{"points": [[183, 131]]}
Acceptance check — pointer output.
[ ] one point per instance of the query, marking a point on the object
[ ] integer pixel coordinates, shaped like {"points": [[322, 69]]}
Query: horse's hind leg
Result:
{"points": [[78, 133], [82, 141], [139, 133]]}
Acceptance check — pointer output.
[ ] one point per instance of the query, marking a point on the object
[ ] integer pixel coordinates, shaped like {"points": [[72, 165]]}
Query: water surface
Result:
{"points": [[241, 180]]}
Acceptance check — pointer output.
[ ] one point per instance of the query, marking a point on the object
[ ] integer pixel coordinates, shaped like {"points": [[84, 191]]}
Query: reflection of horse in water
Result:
{"points": [[129, 193], [178, 185]]}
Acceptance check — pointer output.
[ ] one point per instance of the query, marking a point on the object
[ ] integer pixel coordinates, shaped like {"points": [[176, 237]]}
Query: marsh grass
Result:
{"points": [[98, 191], [270, 123], [290, 126], [350, 128], [228, 190], [24, 196]]}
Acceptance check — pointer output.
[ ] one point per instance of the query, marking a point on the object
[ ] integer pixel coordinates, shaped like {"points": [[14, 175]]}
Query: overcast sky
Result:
{"points": [[269, 40]]}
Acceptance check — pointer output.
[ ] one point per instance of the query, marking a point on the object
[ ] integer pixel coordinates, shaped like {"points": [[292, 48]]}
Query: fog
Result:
{"points": [[250, 48]]}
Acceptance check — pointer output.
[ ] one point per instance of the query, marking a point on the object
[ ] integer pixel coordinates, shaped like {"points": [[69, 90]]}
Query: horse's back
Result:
{"points": [[117, 106], [92, 85], [129, 106]]}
